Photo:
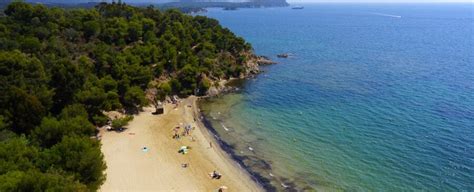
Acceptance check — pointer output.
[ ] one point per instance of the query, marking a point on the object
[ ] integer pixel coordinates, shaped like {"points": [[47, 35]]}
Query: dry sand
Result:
{"points": [[159, 169]]}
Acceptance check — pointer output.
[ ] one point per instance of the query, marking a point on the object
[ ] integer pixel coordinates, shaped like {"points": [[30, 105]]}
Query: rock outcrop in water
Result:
{"points": [[253, 63]]}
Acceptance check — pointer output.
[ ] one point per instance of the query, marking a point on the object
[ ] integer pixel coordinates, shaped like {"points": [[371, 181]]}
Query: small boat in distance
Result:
{"points": [[283, 55], [297, 7], [230, 8]]}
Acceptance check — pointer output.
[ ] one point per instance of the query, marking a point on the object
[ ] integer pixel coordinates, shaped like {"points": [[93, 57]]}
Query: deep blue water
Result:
{"points": [[376, 97]]}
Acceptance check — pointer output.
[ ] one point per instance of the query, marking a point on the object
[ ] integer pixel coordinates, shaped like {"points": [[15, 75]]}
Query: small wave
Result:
{"points": [[225, 128]]}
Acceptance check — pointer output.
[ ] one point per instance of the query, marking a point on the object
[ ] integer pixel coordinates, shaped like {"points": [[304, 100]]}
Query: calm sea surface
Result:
{"points": [[373, 98]]}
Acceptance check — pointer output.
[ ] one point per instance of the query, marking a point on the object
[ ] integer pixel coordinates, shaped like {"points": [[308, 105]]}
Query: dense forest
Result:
{"points": [[60, 69]]}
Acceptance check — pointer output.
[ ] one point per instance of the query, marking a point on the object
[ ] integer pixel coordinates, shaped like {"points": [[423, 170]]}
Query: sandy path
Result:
{"points": [[159, 169]]}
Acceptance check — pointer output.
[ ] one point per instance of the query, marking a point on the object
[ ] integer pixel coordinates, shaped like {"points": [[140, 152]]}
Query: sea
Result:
{"points": [[373, 97]]}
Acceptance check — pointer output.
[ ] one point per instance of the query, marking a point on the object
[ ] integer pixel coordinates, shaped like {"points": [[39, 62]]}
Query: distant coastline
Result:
{"points": [[228, 5], [187, 6]]}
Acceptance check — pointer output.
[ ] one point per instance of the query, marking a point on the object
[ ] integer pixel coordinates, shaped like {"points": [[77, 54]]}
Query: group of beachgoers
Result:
{"points": [[186, 131]]}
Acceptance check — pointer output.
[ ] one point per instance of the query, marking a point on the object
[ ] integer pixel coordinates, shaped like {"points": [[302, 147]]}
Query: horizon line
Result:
{"points": [[377, 2]]}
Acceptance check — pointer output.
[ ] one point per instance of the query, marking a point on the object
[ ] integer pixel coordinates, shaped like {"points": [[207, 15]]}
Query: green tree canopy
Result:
{"points": [[81, 157]]}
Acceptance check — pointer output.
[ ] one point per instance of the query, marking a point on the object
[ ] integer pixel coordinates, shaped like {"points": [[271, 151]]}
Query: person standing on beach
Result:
{"points": [[210, 144]]}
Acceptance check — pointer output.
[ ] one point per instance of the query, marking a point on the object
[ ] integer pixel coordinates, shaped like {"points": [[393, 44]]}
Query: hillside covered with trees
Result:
{"points": [[60, 69]]}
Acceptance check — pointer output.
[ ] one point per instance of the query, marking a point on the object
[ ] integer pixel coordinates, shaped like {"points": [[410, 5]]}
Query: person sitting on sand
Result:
{"points": [[215, 175], [221, 188]]}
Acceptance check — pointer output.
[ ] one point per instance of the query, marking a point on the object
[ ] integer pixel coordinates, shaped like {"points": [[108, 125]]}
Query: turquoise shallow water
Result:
{"points": [[375, 97]]}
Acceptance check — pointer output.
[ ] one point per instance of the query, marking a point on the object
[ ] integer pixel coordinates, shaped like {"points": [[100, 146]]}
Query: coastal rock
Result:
{"points": [[262, 60], [253, 63], [252, 68], [213, 91], [283, 55]]}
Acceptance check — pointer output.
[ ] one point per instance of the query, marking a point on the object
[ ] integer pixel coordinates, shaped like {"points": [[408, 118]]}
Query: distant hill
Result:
{"points": [[184, 5], [54, 1], [57, 3]]}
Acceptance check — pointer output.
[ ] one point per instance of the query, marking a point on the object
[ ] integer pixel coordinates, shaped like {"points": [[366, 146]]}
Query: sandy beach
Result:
{"points": [[159, 168]]}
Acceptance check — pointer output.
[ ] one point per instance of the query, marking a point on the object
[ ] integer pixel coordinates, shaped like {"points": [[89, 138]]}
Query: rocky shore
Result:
{"points": [[252, 68]]}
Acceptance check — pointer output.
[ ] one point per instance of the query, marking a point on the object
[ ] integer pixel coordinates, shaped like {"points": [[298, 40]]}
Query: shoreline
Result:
{"points": [[158, 168], [258, 177], [228, 149], [218, 154], [259, 170]]}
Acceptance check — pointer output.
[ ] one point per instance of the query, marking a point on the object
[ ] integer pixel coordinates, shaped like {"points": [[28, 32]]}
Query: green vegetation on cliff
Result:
{"points": [[59, 69]]}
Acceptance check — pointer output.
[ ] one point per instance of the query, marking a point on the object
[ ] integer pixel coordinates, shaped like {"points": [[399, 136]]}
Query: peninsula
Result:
{"points": [[63, 72]]}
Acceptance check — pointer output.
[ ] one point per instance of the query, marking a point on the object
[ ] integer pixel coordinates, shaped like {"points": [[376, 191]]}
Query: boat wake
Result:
{"points": [[387, 15]]}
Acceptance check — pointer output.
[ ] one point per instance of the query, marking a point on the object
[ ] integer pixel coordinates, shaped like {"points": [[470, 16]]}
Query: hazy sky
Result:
{"points": [[324, 1], [331, 1], [381, 1]]}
